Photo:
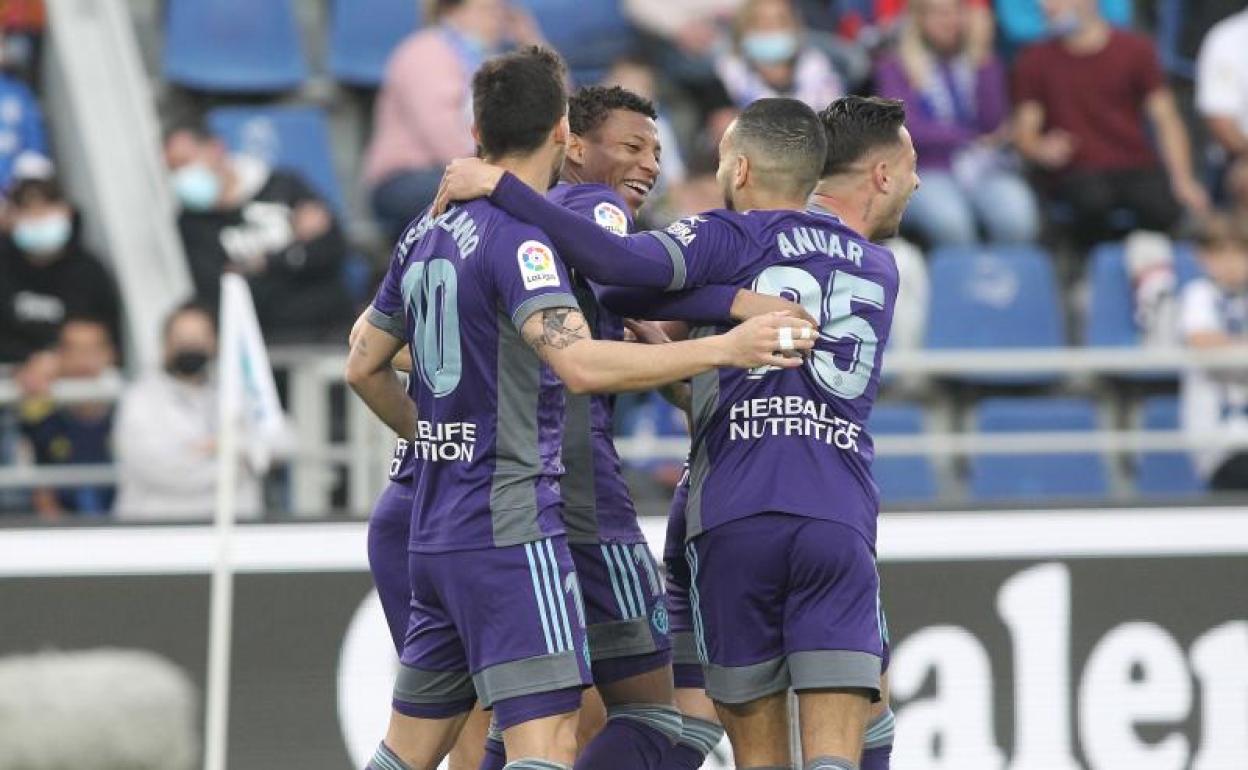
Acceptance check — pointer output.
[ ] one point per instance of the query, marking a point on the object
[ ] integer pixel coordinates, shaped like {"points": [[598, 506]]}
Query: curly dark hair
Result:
{"points": [[588, 108]]}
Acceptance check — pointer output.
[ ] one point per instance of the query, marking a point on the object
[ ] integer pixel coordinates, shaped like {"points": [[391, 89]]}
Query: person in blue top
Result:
{"points": [[21, 126]]}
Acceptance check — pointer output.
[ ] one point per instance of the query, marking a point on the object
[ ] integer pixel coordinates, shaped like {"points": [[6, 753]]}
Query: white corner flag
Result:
{"points": [[247, 403]]}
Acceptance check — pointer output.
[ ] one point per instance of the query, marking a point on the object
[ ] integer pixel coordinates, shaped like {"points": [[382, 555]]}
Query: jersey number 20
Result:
{"points": [[834, 304]]}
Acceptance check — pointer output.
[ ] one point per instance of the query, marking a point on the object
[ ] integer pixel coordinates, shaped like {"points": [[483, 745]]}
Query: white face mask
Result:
{"points": [[42, 237]]}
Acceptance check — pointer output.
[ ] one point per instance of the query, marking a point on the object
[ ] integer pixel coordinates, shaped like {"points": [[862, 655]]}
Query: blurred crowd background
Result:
{"points": [[1084, 172]]}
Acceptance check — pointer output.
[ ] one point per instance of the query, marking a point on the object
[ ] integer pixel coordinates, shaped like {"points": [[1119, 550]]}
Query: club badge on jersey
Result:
{"points": [[537, 265]]}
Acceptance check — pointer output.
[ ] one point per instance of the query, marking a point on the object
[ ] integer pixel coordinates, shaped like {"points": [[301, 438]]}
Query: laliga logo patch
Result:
{"points": [[658, 619], [610, 218], [537, 265]]}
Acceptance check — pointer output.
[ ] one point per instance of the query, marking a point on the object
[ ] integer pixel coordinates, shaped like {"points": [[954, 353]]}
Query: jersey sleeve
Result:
{"points": [[705, 248], [597, 254], [527, 275], [386, 310], [705, 304]]}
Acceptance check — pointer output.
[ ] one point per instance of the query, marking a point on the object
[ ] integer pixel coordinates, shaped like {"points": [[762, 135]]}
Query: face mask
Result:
{"points": [[189, 362], [1066, 24], [769, 47], [42, 237], [197, 187]]}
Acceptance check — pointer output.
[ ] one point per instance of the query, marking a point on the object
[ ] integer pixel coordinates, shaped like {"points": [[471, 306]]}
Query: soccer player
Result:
{"points": [[781, 515], [486, 306]]}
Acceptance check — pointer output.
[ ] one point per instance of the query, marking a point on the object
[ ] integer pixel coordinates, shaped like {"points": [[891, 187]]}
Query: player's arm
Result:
{"points": [[560, 336], [706, 304], [370, 371], [601, 256]]}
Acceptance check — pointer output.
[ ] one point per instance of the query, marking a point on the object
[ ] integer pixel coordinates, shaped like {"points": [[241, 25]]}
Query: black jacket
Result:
{"points": [[36, 299], [300, 294]]}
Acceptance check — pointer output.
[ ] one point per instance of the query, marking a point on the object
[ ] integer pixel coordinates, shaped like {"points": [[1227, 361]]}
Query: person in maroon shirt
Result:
{"points": [[1083, 99]]}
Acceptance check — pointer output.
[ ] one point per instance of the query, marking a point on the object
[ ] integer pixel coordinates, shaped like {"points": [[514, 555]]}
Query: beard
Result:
{"points": [[726, 189], [556, 170]]}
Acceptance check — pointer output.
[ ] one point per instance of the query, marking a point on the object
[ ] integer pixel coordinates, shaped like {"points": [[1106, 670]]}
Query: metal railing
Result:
{"points": [[360, 456]]}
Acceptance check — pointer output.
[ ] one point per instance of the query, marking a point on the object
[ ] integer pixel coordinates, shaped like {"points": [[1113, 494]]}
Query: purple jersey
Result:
{"points": [[596, 501], [489, 412], [789, 440]]}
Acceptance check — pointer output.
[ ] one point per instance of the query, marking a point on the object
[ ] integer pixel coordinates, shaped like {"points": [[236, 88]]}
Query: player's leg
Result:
{"points": [[434, 691], [469, 750], [737, 594], [877, 748], [701, 731], [593, 715], [833, 631], [631, 652], [518, 609]]}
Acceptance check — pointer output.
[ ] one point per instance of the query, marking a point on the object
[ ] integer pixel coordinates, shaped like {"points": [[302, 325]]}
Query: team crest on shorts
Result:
{"points": [[609, 217], [659, 620], [537, 265]]}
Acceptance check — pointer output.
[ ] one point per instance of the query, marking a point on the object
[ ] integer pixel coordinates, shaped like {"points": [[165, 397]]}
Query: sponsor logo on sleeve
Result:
{"points": [[610, 218], [537, 265]]}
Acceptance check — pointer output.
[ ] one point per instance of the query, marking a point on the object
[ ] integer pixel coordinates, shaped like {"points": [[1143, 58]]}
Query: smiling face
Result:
{"points": [[622, 153]]}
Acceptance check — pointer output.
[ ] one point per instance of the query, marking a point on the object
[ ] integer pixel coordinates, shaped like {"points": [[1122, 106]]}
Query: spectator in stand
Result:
{"points": [[1213, 313], [165, 435], [423, 115], [240, 215], [1082, 99], [1222, 83], [1023, 22], [956, 109], [21, 125], [46, 277], [773, 54], [74, 434]]}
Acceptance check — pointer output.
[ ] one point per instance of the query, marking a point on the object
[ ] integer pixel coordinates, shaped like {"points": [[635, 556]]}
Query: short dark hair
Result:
{"points": [[856, 125], [189, 122], [589, 107], [31, 190], [785, 141], [435, 9], [190, 307], [517, 100]]}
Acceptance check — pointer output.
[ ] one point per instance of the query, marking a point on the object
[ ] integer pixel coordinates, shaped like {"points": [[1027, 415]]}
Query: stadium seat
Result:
{"points": [[233, 46], [1164, 473], [296, 138], [362, 33], [590, 35], [902, 479], [1004, 298], [1032, 476]]}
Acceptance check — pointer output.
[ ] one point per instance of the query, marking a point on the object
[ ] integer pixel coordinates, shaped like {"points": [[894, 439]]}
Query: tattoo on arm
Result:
{"points": [[561, 327]]}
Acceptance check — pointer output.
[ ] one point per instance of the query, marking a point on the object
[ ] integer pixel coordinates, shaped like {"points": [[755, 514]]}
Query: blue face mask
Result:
{"points": [[769, 47], [197, 187], [1066, 24], [44, 236]]}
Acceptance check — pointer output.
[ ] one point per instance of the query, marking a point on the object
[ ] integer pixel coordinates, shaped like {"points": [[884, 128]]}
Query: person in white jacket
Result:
{"points": [[165, 433]]}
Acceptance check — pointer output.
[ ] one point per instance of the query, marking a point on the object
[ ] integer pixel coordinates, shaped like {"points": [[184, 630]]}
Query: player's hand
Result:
{"points": [[775, 339], [465, 179], [748, 304], [647, 332], [1055, 149]]}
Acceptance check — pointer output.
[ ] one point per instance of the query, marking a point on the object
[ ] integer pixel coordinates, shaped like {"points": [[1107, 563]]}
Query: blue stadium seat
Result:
{"points": [[295, 138], [1003, 298], [233, 46], [363, 33], [590, 35], [1032, 476], [1164, 473], [902, 479], [1111, 317]]}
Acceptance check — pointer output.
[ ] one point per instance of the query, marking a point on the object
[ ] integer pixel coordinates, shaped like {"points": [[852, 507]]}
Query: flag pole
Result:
{"points": [[221, 609]]}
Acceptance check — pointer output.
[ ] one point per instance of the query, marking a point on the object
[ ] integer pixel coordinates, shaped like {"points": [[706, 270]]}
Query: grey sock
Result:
{"points": [[767, 767], [535, 764], [702, 735], [880, 731], [830, 763], [385, 759]]}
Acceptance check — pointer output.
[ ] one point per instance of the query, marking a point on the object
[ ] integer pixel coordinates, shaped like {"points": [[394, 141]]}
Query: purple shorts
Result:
{"points": [[388, 529], [784, 601], [624, 608], [686, 667], [492, 624]]}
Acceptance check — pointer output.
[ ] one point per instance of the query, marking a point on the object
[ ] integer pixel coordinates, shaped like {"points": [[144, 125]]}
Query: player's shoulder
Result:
{"points": [[596, 201]]}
